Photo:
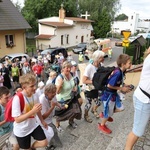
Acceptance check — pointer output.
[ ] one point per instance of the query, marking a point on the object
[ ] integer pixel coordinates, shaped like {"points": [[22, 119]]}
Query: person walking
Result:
{"points": [[6, 127], [25, 124], [91, 94], [141, 99], [110, 98]]}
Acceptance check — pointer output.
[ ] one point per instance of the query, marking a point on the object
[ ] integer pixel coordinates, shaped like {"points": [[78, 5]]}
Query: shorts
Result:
{"points": [[15, 78], [37, 134], [141, 117], [111, 101]]}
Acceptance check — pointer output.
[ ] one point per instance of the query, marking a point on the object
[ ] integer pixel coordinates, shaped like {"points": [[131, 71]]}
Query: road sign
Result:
{"points": [[126, 35], [125, 43]]}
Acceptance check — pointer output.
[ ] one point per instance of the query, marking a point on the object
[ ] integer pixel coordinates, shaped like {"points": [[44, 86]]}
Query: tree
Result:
{"points": [[102, 12], [39, 9], [18, 6], [121, 17]]}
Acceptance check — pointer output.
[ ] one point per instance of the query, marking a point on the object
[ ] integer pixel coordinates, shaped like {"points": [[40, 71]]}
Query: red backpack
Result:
{"points": [[8, 108]]}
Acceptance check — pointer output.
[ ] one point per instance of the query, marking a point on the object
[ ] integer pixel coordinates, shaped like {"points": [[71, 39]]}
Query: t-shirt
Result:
{"points": [[39, 91], [66, 89], [37, 69], [89, 71], [15, 71], [8, 126], [144, 82], [24, 128], [116, 79], [46, 106]]}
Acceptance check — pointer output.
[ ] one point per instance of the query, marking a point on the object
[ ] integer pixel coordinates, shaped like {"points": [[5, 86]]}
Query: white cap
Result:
{"points": [[40, 84], [73, 63]]}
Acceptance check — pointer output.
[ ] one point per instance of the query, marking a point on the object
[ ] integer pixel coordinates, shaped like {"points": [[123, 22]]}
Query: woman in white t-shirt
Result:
{"points": [[90, 92]]}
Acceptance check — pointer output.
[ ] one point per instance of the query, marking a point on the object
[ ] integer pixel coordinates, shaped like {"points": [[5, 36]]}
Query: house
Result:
{"points": [[63, 31], [12, 29], [133, 23]]}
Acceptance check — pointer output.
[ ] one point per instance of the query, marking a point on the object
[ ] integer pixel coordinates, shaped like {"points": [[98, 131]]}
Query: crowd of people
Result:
{"points": [[60, 96]]}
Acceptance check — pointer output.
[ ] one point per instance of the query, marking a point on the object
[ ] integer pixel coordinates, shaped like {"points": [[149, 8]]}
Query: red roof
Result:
{"points": [[43, 36]]}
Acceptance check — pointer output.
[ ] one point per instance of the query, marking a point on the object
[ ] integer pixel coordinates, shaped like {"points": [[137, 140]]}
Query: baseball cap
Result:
{"points": [[73, 63]]}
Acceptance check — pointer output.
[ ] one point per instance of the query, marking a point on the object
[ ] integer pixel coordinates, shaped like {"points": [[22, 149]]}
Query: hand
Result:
{"points": [[125, 89], [53, 104], [37, 107]]}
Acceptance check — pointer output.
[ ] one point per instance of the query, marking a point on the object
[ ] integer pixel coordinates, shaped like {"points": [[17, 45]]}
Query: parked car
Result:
{"points": [[12, 57], [81, 47], [54, 52]]}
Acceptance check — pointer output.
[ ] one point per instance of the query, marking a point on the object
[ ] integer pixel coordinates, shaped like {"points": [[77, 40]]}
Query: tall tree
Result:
{"points": [[102, 12]]}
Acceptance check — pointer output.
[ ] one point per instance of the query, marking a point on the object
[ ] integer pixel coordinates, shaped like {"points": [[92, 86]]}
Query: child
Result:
{"points": [[6, 127], [52, 76], [25, 124], [110, 98]]}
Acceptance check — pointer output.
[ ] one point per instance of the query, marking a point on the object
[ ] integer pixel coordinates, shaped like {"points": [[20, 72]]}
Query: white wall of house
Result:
{"points": [[133, 24], [43, 29], [79, 30]]}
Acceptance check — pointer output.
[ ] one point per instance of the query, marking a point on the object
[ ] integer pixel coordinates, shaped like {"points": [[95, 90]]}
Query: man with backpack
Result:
{"points": [[25, 122], [90, 92], [6, 127], [110, 98]]}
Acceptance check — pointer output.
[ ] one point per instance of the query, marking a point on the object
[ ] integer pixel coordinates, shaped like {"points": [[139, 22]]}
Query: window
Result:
{"points": [[9, 40], [62, 40], [76, 37], [67, 39]]}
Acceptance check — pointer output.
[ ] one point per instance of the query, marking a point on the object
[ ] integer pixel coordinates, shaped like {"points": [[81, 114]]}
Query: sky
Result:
{"points": [[128, 7]]}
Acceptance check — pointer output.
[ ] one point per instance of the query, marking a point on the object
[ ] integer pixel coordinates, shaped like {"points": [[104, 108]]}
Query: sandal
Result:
{"points": [[88, 119], [59, 129], [95, 113]]}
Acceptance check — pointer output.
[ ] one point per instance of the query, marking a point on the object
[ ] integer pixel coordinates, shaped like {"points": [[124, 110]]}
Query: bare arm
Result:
{"points": [[37, 107], [47, 113], [122, 89], [59, 86], [86, 80], [2, 122]]}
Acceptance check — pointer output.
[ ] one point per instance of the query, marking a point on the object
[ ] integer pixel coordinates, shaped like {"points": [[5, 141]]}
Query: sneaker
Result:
{"points": [[104, 129], [73, 124], [59, 129], [101, 115]]}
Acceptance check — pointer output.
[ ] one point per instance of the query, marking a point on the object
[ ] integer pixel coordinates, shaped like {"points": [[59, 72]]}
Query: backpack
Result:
{"points": [[8, 109], [101, 76], [54, 80]]}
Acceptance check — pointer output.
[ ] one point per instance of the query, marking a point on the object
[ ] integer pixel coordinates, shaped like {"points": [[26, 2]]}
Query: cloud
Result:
{"points": [[139, 6]]}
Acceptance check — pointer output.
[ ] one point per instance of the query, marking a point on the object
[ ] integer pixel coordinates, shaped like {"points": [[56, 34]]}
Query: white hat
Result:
{"points": [[73, 63], [40, 84]]}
